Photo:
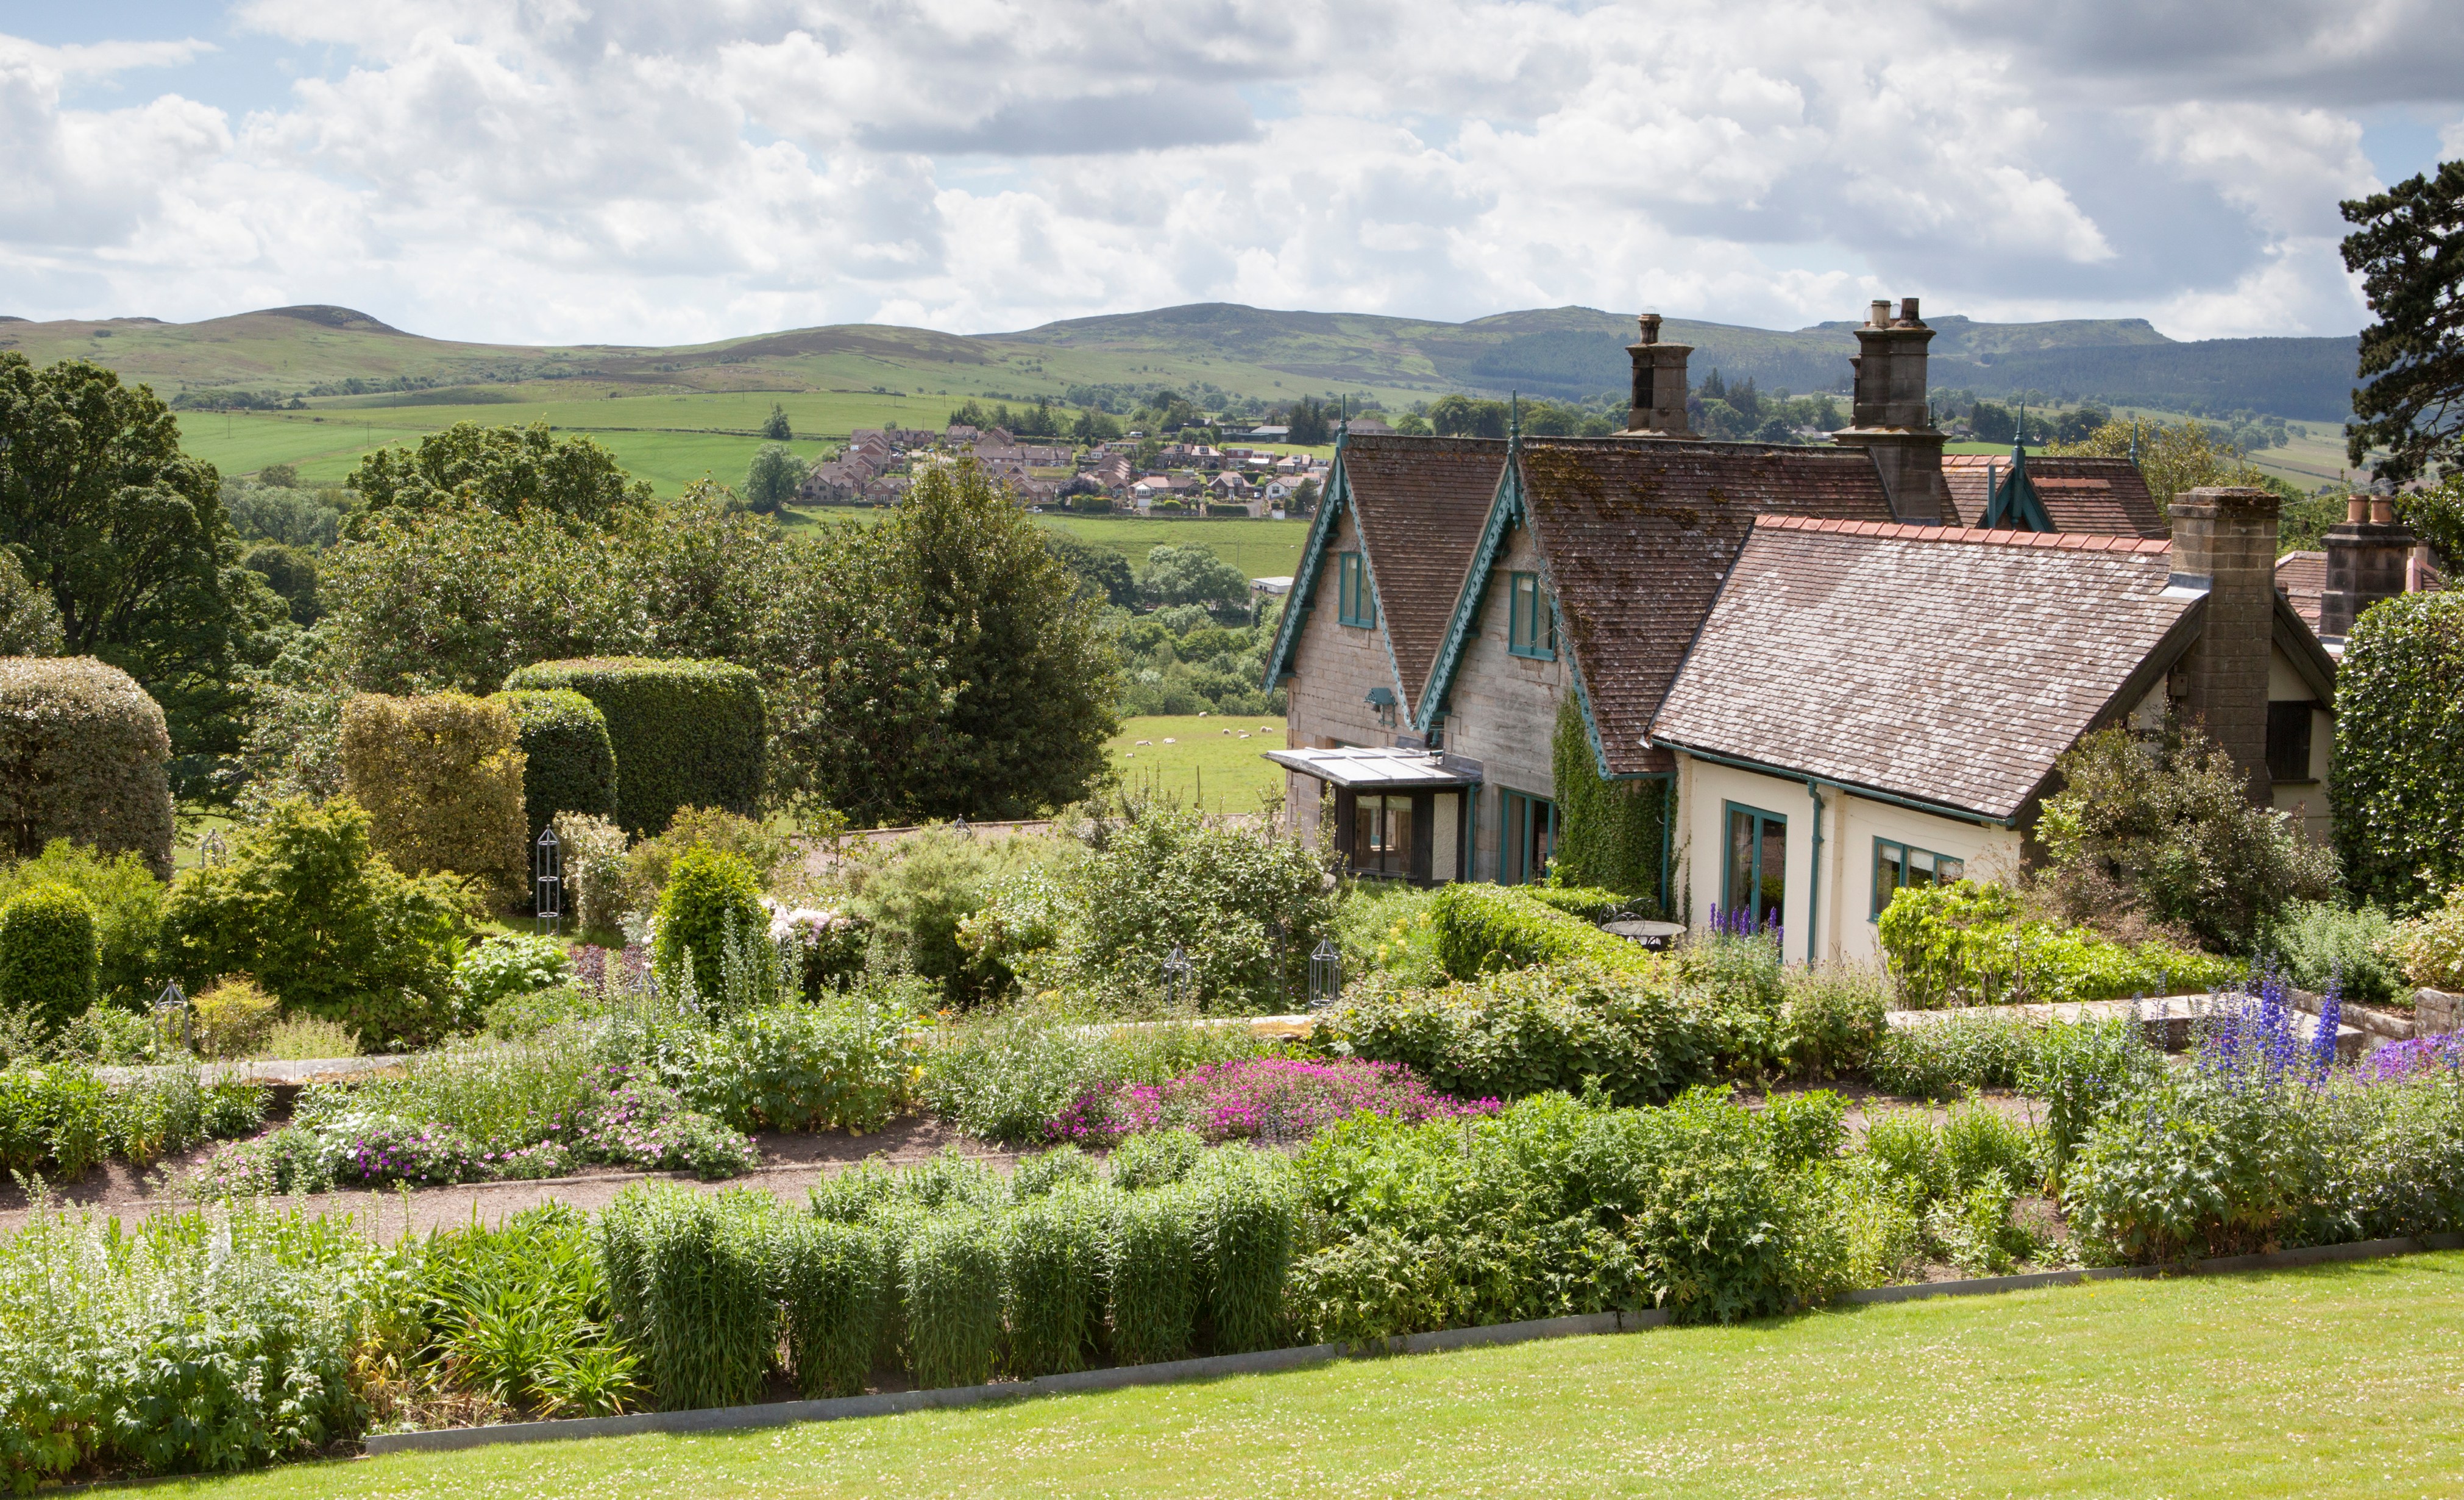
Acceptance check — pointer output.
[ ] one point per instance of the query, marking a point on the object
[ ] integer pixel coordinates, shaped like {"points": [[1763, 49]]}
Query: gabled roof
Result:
{"points": [[1635, 536], [2301, 578], [1943, 665], [2109, 496], [1419, 503]]}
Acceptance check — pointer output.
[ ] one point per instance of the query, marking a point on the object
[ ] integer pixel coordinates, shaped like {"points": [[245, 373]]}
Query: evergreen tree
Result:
{"points": [[2409, 250]]}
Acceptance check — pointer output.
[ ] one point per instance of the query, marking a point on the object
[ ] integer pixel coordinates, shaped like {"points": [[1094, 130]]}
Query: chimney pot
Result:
{"points": [[2357, 509], [1908, 317], [1880, 315], [2382, 513], [1650, 322]]}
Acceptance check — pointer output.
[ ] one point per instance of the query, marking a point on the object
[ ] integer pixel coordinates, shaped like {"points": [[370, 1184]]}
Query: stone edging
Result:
{"points": [[733, 1419]]}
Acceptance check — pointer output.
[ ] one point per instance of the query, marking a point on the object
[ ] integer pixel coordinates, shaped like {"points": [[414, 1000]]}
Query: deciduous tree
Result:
{"points": [[514, 471]]}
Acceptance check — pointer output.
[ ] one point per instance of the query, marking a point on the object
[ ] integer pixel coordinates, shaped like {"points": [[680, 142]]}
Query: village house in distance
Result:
{"points": [[1847, 669]]}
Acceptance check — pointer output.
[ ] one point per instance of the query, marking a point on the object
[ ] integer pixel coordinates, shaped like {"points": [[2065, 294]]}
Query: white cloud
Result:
{"points": [[639, 171]]}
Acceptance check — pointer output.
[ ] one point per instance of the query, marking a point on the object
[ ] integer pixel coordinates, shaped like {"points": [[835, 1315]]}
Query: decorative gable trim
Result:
{"points": [[1303, 598], [2010, 500], [1503, 510]]}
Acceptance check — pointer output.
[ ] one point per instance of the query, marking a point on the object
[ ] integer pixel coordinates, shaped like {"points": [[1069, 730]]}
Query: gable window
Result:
{"points": [[1356, 603], [1755, 880], [1897, 866], [1531, 626], [2288, 741]]}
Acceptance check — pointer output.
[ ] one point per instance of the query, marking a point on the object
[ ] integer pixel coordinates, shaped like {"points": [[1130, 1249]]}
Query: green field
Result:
{"points": [[2334, 1382], [1258, 548], [1228, 772]]}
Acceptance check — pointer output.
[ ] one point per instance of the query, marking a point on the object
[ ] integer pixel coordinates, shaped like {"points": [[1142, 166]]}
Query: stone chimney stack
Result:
{"points": [[2366, 554], [1659, 406], [1889, 416], [2224, 539]]}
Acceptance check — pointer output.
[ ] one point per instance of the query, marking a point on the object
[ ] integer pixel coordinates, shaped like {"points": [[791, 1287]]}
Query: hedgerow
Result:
{"points": [[569, 761], [1482, 929], [49, 955], [2398, 792], [686, 734], [1965, 943], [441, 778]]}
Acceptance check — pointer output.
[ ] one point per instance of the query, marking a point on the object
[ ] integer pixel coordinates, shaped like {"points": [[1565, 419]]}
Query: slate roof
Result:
{"points": [[1420, 502], [2109, 496], [2301, 578], [1636, 536], [1944, 664]]}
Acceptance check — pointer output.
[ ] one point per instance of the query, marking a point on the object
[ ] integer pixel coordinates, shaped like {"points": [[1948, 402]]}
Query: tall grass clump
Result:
{"points": [[831, 1289], [1249, 1230], [690, 1290], [950, 1274], [1052, 1268], [1151, 1265]]}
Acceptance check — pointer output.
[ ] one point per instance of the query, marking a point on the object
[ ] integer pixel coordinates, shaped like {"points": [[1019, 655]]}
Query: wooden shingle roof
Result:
{"points": [[1420, 502], [2109, 496], [1636, 536], [1946, 665]]}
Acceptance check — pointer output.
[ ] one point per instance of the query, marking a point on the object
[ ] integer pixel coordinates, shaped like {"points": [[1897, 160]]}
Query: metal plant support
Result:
{"points": [[211, 849], [171, 1016], [1177, 970], [1326, 974], [547, 882]]}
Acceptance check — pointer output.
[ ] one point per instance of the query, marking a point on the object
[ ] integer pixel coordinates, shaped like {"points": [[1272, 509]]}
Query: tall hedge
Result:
{"points": [[569, 761], [83, 752], [1483, 929], [687, 734], [441, 778], [1609, 833], [49, 955], [2397, 794]]}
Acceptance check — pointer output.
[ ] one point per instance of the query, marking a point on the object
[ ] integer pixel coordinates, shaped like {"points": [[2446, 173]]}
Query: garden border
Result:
{"points": [[780, 1414]]}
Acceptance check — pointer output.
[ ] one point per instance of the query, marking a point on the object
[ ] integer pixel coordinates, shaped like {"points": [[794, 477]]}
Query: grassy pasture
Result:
{"points": [[2332, 1381], [1230, 772]]}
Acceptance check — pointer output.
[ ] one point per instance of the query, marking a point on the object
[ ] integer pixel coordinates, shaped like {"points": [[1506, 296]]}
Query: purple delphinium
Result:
{"points": [[2331, 1020]]}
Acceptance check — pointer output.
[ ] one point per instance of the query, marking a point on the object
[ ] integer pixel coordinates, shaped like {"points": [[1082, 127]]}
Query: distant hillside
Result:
{"points": [[343, 357]]}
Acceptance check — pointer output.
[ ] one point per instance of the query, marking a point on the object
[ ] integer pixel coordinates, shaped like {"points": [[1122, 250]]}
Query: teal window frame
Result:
{"points": [[1516, 812], [1531, 625], [1757, 878], [1356, 603], [1891, 874]]}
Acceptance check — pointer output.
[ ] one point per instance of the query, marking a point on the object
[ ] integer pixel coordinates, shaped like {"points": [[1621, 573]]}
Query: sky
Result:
{"points": [[551, 171]]}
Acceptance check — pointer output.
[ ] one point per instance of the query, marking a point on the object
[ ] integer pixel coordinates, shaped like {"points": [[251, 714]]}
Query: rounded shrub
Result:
{"points": [[83, 756], [711, 896], [50, 955], [441, 778], [686, 734], [569, 761], [2398, 793]]}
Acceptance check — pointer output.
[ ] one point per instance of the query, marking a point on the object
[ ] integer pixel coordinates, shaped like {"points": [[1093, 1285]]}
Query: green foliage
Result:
{"points": [[1186, 659], [2321, 940], [29, 623], [1831, 1016], [686, 734], [1483, 929], [232, 1018], [773, 478], [844, 1062], [1248, 1231], [950, 1272], [710, 898], [920, 893], [2410, 407], [1103, 575], [1944, 1057], [1532, 1031], [512, 472], [1962, 944], [2398, 794], [49, 955], [82, 756], [306, 906], [1386, 926], [1003, 1075], [690, 1290], [2164, 828], [1053, 1264], [195, 1341], [441, 778], [648, 865], [1610, 833], [291, 572], [499, 966], [1244, 905], [1152, 1269], [2080, 1069], [127, 910], [1592, 904], [1154, 1159], [127, 535], [2437, 516], [1192, 575], [832, 1291], [2432, 945], [514, 1313], [569, 761], [524, 1013]]}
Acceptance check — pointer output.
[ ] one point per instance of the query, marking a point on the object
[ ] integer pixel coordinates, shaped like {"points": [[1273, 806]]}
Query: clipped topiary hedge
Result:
{"points": [[569, 761], [687, 734], [82, 756], [710, 893], [2398, 791], [441, 778], [1587, 903], [50, 955], [1483, 928]]}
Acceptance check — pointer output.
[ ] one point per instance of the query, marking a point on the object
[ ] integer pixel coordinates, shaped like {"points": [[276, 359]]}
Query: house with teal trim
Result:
{"points": [[1385, 554]]}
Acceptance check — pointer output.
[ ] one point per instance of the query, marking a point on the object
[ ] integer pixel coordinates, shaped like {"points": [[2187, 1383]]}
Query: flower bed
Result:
{"points": [[1264, 1098]]}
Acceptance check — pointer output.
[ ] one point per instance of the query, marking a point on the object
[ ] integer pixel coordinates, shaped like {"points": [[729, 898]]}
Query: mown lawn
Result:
{"points": [[2337, 1380], [1228, 772]]}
